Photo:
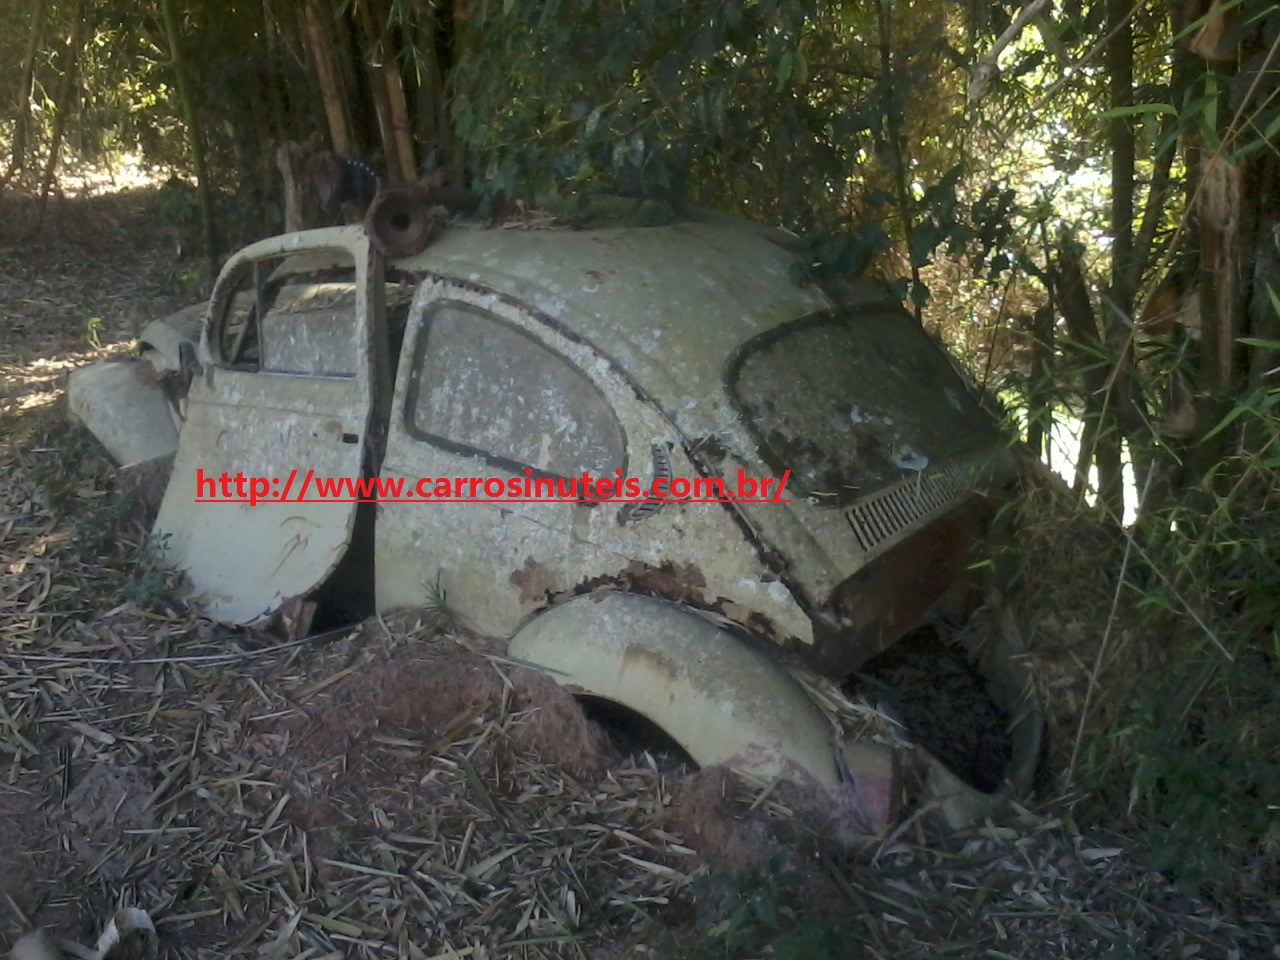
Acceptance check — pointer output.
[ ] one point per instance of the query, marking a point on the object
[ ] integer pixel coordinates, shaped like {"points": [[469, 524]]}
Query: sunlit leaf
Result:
{"points": [[1138, 109]]}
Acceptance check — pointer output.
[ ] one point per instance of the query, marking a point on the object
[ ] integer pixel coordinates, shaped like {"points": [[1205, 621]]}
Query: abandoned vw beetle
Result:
{"points": [[686, 350]]}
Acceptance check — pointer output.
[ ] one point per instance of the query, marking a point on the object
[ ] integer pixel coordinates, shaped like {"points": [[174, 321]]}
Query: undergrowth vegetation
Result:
{"points": [[107, 520], [745, 914], [1194, 754], [1167, 719]]}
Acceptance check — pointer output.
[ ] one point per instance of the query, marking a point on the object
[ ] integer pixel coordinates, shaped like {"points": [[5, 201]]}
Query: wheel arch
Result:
{"points": [[721, 700]]}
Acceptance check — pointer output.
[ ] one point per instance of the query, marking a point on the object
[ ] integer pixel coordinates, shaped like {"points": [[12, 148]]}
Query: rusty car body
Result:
{"points": [[685, 349]]}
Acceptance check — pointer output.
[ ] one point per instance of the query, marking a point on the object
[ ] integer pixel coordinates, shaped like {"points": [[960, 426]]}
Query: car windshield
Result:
{"points": [[852, 402]]}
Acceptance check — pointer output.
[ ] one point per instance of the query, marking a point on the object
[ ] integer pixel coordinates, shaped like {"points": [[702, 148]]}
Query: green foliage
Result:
{"points": [[148, 584], [1196, 757], [77, 479], [779, 111], [658, 98], [762, 911], [435, 605], [93, 327]]}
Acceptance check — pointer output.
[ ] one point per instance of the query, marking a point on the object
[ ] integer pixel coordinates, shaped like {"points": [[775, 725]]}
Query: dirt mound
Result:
{"points": [[109, 799], [437, 693], [704, 813]]}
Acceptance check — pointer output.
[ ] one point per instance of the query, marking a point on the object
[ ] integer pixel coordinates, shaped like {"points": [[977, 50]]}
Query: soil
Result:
{"points": [[27, 848], [108, 800]]}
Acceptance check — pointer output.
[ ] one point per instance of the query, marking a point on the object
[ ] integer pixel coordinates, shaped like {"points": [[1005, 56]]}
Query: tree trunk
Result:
{"points": [[429, 93], [186, 93], [26, 83], [1264, 312], [1120, 73], [293, 171], [1221, 303], [272, 77], [370, 55], [66, 101], [1040, 390], [1100, 441], [320, 41], [388, 93], [1118, 318]]}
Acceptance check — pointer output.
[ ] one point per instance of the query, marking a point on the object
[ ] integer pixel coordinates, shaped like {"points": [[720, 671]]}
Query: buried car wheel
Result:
{"points": [[722, 702]]}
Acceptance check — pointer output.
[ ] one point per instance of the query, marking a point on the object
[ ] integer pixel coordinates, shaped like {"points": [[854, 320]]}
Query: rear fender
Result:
{"points": [[722, 702]]}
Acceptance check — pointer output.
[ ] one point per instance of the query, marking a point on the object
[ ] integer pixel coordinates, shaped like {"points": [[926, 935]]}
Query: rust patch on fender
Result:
{"points": [[679, 583], [659, 663], [683, 583], [535, 583]]}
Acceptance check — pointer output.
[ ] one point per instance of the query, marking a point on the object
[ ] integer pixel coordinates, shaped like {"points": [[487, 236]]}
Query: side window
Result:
{"points": [[483, 386], [285, 318], [311, 328]]}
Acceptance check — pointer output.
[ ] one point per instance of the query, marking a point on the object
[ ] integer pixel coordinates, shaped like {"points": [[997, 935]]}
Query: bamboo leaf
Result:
{"points": [[1138, 109], [786, 64]]}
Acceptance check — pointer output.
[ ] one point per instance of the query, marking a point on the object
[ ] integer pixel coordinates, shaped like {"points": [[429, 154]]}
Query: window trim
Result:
{"points": [[515, 467]]}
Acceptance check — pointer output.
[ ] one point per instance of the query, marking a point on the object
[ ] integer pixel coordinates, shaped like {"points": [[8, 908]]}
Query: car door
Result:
{"points": [[286, 394], [489, 389]]}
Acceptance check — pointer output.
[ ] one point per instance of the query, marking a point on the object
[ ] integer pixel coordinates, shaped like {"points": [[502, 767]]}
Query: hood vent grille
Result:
{"points": [[889, 512]]}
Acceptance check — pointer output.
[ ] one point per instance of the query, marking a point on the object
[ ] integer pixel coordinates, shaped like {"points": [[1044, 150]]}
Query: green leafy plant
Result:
{"points": [[93, 327], [762, 911], [148, 582]]}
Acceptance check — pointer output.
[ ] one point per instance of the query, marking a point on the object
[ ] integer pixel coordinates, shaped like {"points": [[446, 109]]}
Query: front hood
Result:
{"points": [[880, 434]]}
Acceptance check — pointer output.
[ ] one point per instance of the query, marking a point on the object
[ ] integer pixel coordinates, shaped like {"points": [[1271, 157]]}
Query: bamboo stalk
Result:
{"points": [[320, 40], [26, 81], [191, 114]]}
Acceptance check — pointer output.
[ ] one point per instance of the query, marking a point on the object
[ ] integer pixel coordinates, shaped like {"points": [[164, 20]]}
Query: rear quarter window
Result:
{"points": [[483, 386]]}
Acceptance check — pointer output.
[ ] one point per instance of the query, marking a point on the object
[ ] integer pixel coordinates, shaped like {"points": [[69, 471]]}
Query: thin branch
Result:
{"points": [[987, 67], [895, 144], [1153, 210]]}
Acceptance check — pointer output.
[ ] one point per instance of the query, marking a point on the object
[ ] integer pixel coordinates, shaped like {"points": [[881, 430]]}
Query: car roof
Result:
{"points": [[669, 305]]}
